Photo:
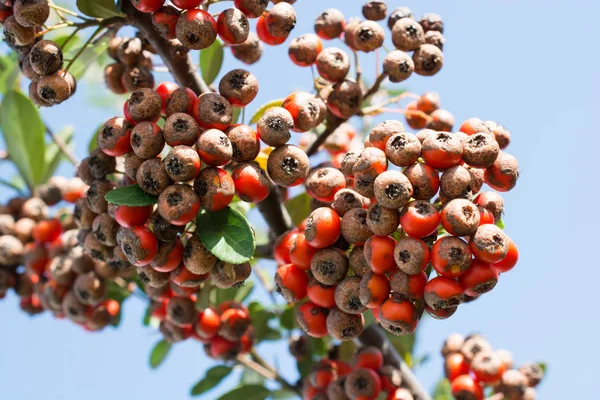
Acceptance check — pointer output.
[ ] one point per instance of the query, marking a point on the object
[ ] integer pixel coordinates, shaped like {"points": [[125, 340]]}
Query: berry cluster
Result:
{"points": [[133, 67], [40, 60], [471, 365], [57, 275], [376, 230], [366, 377], [197, 29]]}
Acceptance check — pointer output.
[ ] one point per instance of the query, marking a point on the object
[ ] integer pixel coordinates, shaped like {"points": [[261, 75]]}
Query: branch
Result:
{"points": [[274, 212], [62, 146], [333, 123], [175, 57], [375, 86], [260, 367], [373, 336]]}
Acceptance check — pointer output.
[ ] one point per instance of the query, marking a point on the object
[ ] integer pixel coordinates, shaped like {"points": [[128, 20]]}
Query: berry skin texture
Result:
{"points": [[343, 326], [442, 150], [368, 36], [407, 35], [502, 175], [411, 255], [274, 126], [374, 290], [281, 20], [283, 246], [182, 164], [147, 6], [398, 317], [428, 60], [196, 29], [215, 188], [321, 295], [379, 252], [251, 182], [301, 252], [392, 189], [147, 140], [169, 256], [178, 204], [415, 119], [323, 183], [213, 111], [304, 49], [245, 143], [424, 180], [288, 166], [139, 245], [510, 260], [450, 256], [363, 383], [465, 387], [333, 64], [232, 26], [460, 217], [455, 365], [489, 244], [239, 87], [142, 105], [329, 266], [291, 282], [347, 296], [323, 228], [262, 30], [443, 293], [252, 8], [165, 21], [214, 148], [305, 110], [312, 319], [345, 99], [114, 138], [330, 24], [420, 219], [480, 278]]}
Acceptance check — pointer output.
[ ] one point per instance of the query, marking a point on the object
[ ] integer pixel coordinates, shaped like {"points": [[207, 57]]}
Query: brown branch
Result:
{"points": [[175, 57], [260, 367], [62, 146], [375, 86], [274, 212], [373, 336], [333, 123]]}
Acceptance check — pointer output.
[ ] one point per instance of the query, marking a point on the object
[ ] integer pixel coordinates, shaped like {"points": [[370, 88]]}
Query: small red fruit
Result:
{"points": [[510, 260], [291, 282], [164, 90], [128, 217], [465, 387], [147, 6], [264, 35]]}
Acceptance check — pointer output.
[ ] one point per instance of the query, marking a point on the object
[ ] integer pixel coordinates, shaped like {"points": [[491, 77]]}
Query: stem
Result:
{"points": [[333, 123], [357, 66], [85, 45], [265, 284], [62, 146], [373, 336], [60, 9], [261, 368], [375, 86], [274, 212], [53, 28]]}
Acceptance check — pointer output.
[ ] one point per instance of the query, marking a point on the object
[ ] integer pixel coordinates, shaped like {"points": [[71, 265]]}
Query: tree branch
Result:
{"points": [[175, 57], [274, 212], [62, 146], [333, 123], [373, 336], [261, 368]]}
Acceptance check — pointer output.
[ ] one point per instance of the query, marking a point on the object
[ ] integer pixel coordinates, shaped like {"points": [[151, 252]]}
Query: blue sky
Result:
{"points": [[532, 66]]}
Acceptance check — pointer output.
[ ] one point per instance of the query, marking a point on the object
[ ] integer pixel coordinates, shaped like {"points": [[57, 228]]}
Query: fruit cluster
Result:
{"points": [[471, 365], [132, 68], [376, 230], [57, 275], [366, 377], [197, 29], [225, 330], [40, 60]]}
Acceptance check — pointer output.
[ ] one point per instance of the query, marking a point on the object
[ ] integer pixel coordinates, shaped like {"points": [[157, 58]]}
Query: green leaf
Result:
{"points": [[346, 350], [298, 207], [159, 353], [543, 366], [87, 58], [442, 391], [318, 346], [203, 300], [11, 185], [94, 140], [262, 109], [54, 155], [287, 320], [99, 8], [226, 234], [251, 377], [500, 224], [212, 378], [116, 292], [283, 394], [9, 73], [131, 195], [305, 366], [147, 316], [236, 115], [23, 132], [260, 318], [247, 392], [211, 60]]}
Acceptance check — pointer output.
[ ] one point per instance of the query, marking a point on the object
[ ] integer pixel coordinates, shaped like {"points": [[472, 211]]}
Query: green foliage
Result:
{"points": [[211, 61], [500, 224], [247, 392], [159, 353], [131, 195], [23, 132], [442, 391], [99, 8], [251, 377], [93, 144], [298, 207], [218, 296], [90, 55], [54, 155], [261, 110], [9, 72], [226, 234], [346, 350], [147, 316], [212, 378], [543, 366], [283, 394], [260, 318], [287, 320]]}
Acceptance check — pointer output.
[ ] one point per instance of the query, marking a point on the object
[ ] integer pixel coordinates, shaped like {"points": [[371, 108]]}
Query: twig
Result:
{"points": [[333, 123], [373, 336], [274, 212], [265, 284], [62, 146], [357, 66], [85, 45], [67, 11], [264, 370], [375, 86]]}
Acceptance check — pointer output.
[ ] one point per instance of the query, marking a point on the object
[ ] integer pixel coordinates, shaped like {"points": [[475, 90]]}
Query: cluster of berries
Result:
{"points": [[197, 29], [471, 365], [40, 60], [366, 377], [382, 226], [56, 275], [133, 67], [225, 331]]}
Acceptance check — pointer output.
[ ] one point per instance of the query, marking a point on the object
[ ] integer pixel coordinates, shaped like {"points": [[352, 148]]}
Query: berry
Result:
{"points": [[164, 21], [168, 257], [214, 148], [392, 189], [362, 383], [196, 29], [465, 387], [414, 118], [487, 367], [147, 140], [301, 252], [345, 99], [489, 244], [250, 51], [333, 64], [213, 111], [374, 290], [398, 317], [180, 101], [207, 324], [480, 150], [406, 286], [138, 243], [274, 126], [178, 204], [442, 150], [443, 293], [288, 166], [215, 188], [329, 266], [252, 8], [147, 6], [251, 182], [31, 13], [330, 24], [346, 199], [457, 181], [196, 257], [354, 227], [323, 183], [428, 60], [343, 326], [312, 319], [382, 221], [291, 282], [368, 36], [420, 219], [492, 202], [370, 163], [347, 297], [45, 57], [460, 217], [321, 295], [186, 4], [239, 87], [379, 252], [398, 65], [114, 137], [46, 231], [407, 35], [245, 143], [262, 30], [180, 129], [375, 10], [509, 261], [152, 177], [502, 175], [305, 110], [182, 164], [450, 256], [280, 20], [432, 22], [305, 49], [411, 255]]}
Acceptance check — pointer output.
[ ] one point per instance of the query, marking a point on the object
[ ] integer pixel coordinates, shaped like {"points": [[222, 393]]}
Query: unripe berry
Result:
{"points": [[196, 29]]}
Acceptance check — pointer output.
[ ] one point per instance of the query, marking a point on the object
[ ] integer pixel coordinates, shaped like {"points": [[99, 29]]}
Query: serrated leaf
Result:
{"points": [[54, 155], [226, 234], [99, 8], [23, 132], [211, 61], [131, 195], [212, 378], [247, 392], [298, 207], [262, 109], [159, 353]]}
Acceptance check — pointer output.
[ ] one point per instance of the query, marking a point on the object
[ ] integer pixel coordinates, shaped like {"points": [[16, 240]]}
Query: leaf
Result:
{"points": [[94, 140], [131, 195], [211, 60], [305, 366], [53, 153], [247, 392], [87, 58], [99, 8], [500, 224], [116, 292], [346, 350], [260, 318], [543, 366], [23, 132], [203, 301], [212, 378], [287, 320], [226, 234], [236, 115], [283, 394], [442, 391], [251, 377], [9, 73], [147, 316], [298, 207], [159, 353], [262, 109]]}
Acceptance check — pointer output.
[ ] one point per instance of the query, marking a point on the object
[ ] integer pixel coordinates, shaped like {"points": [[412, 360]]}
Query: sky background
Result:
{"points": [[531, 65]]}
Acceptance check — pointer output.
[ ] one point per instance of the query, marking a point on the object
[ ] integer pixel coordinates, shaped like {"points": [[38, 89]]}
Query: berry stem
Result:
{"points": [[85, 45], [62, 146], [373, 336]]}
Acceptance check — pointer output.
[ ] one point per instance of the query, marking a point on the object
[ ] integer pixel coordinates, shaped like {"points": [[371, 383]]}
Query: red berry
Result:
{"points": [[420, 219], [291, 282], [186, 4], [147, 242], [465, 387], [480, 278], [301, 253], [283, 246], [147, 6], [46, 231], [164, 90], [128, 217], [510, 260], [312, 319], [251, 182], [264, 35]]}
